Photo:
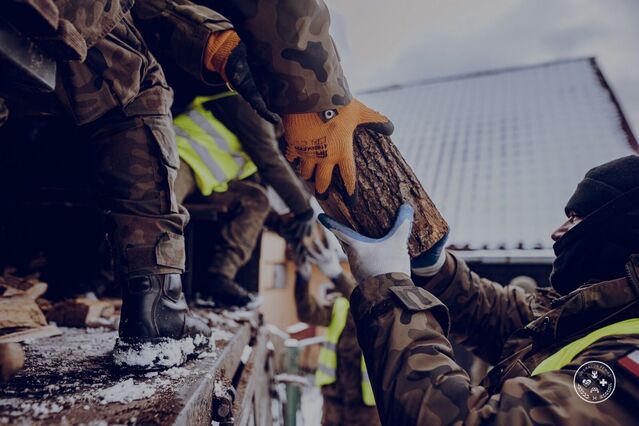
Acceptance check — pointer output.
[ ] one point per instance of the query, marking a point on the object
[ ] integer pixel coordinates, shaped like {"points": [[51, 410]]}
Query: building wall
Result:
{"points": [[277, 282]]}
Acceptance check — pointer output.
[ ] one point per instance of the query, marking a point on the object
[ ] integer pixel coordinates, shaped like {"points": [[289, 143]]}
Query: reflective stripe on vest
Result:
{"points": [[367, 390], [210, 149], [565, 355], [326, 373]]}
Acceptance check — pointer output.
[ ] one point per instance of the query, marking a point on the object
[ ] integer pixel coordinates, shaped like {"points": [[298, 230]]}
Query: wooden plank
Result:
{"points": [[198, 398], [13, 286], [31, 334], [69, 380], [254, 381], [263, 393], [18, 307], [82, 312]]}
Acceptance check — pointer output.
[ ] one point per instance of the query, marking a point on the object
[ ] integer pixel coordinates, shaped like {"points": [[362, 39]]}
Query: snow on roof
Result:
{"points": [[500, 152]]}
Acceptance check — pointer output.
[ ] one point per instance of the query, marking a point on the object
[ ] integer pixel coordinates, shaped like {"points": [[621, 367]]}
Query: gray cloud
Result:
{"points": [[386, 42]]}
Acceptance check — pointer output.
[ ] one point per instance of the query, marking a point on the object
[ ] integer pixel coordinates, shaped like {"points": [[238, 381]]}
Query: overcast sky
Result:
{"points": [[385, 42]]}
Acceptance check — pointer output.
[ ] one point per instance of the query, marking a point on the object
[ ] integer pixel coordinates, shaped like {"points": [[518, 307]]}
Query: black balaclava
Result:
{"points": [[599, 246]]}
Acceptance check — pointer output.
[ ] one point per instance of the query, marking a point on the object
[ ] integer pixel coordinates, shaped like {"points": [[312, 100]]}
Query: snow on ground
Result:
{"points": [[88, 378], [96, 389], [36, 409], [41, 409], [125, 392], [218, 321], [220, 334], [220, 389], [239, 315], [176, 373], [166, 353]]}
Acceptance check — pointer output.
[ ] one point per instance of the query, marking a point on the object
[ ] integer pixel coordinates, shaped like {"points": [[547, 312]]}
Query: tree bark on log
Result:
{"points": [[384, 181]]}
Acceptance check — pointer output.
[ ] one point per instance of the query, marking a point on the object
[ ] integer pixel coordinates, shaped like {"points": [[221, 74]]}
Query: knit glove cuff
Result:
{"points": [[218, 49]]}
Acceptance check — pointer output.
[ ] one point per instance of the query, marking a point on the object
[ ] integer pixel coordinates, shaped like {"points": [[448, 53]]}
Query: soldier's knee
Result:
{"points": [[254, 196]]}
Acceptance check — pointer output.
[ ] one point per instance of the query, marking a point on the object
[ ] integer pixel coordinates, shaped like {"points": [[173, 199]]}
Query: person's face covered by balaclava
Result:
{"points": [[602, 230]]}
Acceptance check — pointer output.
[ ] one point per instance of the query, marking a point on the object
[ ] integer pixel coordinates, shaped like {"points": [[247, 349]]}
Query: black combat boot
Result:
{"points": [[221, 291], [157, 330]]}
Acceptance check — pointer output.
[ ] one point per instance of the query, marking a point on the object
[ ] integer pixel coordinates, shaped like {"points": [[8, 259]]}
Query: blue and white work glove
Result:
{"points": [[304, 270], [431, 261], [370, 257], [325, 257]]}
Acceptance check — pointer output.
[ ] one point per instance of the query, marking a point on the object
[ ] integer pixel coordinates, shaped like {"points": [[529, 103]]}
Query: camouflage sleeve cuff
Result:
{"points": [[179, 29], [379, 295], [446, 276], [195, 47]]}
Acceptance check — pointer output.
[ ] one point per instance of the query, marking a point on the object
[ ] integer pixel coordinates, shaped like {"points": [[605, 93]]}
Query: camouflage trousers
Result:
{"points": [[136, 164], [245, 207], [336, 414]]}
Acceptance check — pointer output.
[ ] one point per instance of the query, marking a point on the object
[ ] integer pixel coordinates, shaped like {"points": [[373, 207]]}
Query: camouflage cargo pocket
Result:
{"points": [[169, 251], [119, 59], [164, 135]]}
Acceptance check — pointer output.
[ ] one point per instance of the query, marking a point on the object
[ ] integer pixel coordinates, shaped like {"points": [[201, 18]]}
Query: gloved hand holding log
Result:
{"points": [[384, 182], [324, 141]]}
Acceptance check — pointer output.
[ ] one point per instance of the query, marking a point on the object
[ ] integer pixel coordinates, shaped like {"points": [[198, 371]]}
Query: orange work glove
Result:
{"points": [[324, 140], [226, 54]]}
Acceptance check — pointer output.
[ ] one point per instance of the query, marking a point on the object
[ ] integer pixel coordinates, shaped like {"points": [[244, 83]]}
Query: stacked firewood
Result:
{"points": [[86, 312], [25, 315], [21, 317]]}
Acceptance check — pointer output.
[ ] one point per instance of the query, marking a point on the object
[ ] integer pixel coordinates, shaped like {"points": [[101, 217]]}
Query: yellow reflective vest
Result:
{"points": [[566, 354], [327, 365], [210, 149]]}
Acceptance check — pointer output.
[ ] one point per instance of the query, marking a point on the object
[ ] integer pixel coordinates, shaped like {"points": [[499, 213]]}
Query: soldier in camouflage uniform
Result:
{"points": [[536, 341], [297, 71], [293, 60], [117, 95], [189, 51], [116, 92], [292, 56]]}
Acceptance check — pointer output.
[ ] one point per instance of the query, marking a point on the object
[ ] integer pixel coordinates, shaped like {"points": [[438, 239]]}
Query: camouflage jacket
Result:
{"points": [[118, 73], [177, 32], [403, 329], [347, 390], [93, 19], [292, 56]]}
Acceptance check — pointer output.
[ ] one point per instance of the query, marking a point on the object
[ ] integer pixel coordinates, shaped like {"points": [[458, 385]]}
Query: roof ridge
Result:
{"points": [[475, 74]]}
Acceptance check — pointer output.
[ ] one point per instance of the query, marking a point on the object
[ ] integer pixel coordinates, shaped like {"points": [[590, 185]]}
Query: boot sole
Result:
{"points": [[157, 353]]}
